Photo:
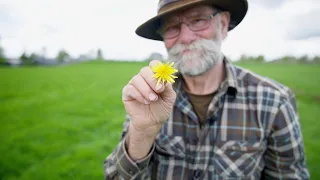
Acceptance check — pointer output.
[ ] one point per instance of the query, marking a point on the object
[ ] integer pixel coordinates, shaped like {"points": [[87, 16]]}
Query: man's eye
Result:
{"points": [[171, 29], [198, 21]]}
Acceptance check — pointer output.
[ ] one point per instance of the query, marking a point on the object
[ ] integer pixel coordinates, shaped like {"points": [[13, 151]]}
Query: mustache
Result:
{"points": [[201, 44], [180, 48]]}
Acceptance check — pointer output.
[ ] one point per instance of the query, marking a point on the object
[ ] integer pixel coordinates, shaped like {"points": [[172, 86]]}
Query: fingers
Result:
{"points": [[144, 88], [158, 87], [147, 74], [154, 62], [168, 92], [130, 93]]}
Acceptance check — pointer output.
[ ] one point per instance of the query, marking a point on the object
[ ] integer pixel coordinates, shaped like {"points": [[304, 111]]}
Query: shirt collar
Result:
{"points": [[232, 85]]}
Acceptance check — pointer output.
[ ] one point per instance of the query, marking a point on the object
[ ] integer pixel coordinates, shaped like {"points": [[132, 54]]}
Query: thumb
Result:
{"points": [[168, 94]]}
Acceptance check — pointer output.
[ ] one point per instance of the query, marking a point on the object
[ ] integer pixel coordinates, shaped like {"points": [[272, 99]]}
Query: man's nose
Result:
{"points": [[186, 35]]}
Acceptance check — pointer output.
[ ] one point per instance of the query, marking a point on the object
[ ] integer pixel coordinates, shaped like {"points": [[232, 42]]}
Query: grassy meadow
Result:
{"points": [[61, 122]]}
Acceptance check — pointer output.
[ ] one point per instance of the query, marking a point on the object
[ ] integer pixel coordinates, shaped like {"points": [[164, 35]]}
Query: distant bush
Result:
{"points": [[298, 60], [3, 58], [251, 59], [62, 56], [285, 59], [155, 56]]}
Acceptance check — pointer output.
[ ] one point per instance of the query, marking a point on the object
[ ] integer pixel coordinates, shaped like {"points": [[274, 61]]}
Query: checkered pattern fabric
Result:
{"points": [[252, 131]]}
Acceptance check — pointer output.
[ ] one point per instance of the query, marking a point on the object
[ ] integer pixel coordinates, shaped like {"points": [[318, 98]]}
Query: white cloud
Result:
{"points": [[83, 26], [266, 31], [269, 3], [78, 27]]}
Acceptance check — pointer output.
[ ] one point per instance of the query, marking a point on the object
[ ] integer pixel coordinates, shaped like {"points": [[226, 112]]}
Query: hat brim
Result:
{"points": [[237, 9]]}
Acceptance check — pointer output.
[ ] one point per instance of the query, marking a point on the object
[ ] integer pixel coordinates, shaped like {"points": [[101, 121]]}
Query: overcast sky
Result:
{"points": [[272, 28]]}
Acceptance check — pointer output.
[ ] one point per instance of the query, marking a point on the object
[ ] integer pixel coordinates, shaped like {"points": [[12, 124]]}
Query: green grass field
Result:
{"points": [[62, 122]]}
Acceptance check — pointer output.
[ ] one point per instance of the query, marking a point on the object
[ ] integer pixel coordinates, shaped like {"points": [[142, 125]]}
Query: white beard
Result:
{"points": [[205, 55]]}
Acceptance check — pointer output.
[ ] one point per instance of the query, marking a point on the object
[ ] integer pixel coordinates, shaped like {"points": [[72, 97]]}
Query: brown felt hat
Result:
{"points": [[237, 9]]}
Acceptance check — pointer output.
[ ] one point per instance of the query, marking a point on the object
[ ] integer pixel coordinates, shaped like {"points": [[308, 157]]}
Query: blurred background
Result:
{"points": [[63, 65]]}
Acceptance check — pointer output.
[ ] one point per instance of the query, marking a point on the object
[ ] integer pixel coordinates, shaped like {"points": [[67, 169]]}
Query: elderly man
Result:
{"points": [[217, 121]]}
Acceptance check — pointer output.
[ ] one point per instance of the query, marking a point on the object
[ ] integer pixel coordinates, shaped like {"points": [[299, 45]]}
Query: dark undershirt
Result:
{"points": [[200, 104]]}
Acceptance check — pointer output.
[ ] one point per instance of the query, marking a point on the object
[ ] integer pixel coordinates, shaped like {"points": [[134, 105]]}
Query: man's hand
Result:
{"points": [[149, 106]]}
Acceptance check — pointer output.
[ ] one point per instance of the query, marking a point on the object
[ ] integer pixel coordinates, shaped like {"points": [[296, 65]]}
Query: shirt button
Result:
{"points": [[194, 140], [197, 174], [131, 172]]}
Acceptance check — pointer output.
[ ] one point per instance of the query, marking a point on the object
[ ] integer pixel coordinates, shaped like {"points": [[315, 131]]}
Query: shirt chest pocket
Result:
{"points": [[237, 158], [170, 146]]}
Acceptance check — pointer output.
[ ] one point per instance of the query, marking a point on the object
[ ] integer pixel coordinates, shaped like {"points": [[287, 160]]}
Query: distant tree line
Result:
{"points": [[285, 59], [35, 59], [63, 56]]}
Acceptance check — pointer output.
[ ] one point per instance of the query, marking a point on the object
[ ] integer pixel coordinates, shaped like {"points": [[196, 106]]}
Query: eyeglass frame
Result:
{"points": [[160, 31]]}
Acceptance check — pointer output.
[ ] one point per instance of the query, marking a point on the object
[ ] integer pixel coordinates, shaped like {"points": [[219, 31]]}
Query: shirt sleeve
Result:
{"points": [[119, 165], [285, 156]]}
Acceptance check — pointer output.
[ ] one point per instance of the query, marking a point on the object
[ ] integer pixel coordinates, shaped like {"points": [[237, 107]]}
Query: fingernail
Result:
{"points": [[152, 97], [158, 86], [146, 102]]}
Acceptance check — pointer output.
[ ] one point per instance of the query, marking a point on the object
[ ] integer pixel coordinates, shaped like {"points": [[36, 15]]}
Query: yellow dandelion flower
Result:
{"points": [[163, 72]]}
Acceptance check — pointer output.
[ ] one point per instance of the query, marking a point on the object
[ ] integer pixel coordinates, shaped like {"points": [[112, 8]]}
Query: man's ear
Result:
{"points": [[225, 20]]}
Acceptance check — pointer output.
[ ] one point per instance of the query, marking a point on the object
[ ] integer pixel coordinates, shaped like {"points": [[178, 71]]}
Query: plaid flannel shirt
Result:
{"points": [[252, 131]]}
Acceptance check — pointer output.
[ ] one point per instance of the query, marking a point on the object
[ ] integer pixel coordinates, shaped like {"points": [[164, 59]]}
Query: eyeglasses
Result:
{"points": [[195, 24]]}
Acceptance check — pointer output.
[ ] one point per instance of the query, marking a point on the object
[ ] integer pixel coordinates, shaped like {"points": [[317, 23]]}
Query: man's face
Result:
{"points": [[195, 52]]}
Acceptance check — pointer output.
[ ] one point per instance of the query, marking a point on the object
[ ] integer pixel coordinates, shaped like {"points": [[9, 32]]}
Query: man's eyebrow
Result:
{"points": [[171, 19], [193, 13]]}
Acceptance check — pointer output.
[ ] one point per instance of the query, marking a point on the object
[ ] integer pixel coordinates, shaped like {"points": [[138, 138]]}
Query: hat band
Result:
{"points": [[167, 5]]}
